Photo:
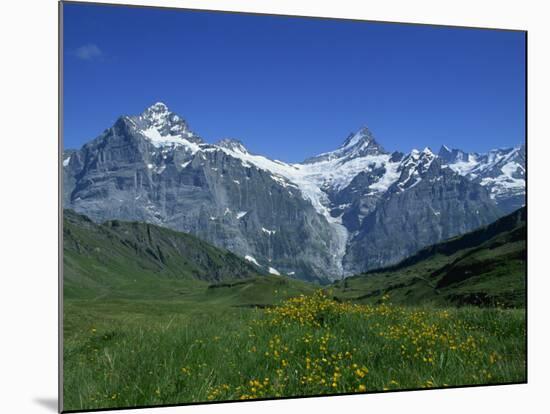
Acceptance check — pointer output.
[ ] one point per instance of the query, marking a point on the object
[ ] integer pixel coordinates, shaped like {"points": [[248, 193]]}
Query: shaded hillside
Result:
{"points": [[484, 267], [130, 258]]}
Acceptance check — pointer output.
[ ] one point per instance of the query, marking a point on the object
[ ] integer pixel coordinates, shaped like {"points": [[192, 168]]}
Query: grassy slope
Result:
{"points": [[484, 267], [137, 260]]}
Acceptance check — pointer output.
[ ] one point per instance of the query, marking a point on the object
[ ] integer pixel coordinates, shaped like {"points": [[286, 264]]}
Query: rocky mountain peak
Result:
{"points": [[158, 107], [361, 143], [232, 144], [163, 127], [159, 115], [444, 152], [358, 144], [452, 155], [419, 160], [362, 136], [426, 154]]}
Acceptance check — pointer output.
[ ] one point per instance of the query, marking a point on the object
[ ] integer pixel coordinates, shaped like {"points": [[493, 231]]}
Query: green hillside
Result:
{"points": [[131, 260], [485, 267]]}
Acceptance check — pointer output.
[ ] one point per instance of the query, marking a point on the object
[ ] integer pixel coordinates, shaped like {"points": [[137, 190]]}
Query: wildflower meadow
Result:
{"points": [[175, 352]]}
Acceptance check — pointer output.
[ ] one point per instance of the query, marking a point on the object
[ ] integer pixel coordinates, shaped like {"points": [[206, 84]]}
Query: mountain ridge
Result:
{"points": [[309, 219]]}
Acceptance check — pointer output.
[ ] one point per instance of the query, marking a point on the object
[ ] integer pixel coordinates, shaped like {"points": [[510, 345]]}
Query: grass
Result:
{"points": [[211, 344], [484, 268]]}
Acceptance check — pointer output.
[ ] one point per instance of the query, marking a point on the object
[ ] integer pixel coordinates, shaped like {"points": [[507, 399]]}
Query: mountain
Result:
{"points": [[483, 267], [123, 256], [152, 168], [502, 171], [358, 144], [356, 208], [427, 202]]}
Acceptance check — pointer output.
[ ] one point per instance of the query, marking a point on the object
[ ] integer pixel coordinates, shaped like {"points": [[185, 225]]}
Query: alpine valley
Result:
{"points": [[340, 213]]}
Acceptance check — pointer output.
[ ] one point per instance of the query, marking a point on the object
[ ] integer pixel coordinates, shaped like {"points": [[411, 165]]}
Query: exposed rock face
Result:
{"points": [[191, 186], [429, 202], [342, 212]]}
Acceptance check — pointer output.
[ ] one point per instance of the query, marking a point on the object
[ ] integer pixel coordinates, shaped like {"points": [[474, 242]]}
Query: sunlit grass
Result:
{"points": [[309, 345]]}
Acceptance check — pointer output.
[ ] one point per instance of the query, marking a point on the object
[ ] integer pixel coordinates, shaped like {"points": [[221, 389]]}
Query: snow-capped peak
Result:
{"points": [[454, 155], [232, 144], [157, 113], [501, 170], [473, 163], [159, 107], [413, 168], [357, 144], [360, 143], [165, 128], [419, 158], [363, 136]]}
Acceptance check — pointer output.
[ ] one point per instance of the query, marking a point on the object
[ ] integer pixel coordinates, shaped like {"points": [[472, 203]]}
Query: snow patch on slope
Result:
{"points": [[252, 260], [390, 176], [274, 271], [154, 136], [268, 232], [506, 183], [465, 167]]}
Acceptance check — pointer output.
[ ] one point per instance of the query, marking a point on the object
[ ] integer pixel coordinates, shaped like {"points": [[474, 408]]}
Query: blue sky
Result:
{"points": [[288, 87]]}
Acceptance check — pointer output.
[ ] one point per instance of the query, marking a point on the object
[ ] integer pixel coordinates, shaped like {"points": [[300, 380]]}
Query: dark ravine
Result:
{"points": [[346, 211]]}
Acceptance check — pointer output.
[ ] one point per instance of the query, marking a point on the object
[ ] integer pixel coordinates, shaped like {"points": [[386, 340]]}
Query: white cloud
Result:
{"points": [[88, 52]]}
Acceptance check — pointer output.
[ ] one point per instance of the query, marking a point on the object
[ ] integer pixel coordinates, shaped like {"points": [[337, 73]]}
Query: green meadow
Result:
{"points": [[144, 325], [213, 345]]}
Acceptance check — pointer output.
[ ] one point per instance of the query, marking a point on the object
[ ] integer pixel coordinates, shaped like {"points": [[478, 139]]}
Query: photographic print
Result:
{"points": [[263, 206]]}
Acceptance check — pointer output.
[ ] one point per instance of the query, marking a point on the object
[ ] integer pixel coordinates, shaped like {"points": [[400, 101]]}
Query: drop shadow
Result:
{"points": [[49, 403]]}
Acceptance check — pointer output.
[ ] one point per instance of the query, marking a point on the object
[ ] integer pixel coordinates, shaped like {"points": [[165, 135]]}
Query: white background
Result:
{"points": [[28, 207]]}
